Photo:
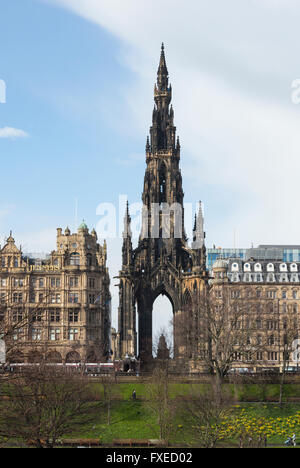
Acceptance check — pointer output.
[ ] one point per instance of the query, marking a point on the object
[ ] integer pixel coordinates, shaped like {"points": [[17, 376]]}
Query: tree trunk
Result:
{"points": [[108, 413], [281, 387], [218, 382]]}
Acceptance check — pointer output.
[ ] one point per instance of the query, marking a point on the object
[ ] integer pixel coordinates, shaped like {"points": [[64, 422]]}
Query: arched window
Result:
{"points": [[75, 259], [89, 260], [271, 340]]}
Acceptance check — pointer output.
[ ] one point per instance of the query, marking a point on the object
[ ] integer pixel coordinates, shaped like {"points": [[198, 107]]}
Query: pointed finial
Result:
{"points": [[127, 221], [162, 72], [162, 61]]}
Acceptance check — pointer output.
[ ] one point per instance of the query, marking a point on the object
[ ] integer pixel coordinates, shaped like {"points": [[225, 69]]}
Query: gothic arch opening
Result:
{"points": [[162, 323]]}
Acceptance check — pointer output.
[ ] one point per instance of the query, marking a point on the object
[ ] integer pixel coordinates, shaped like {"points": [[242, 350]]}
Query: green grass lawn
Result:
{"points": [[137, 420]]}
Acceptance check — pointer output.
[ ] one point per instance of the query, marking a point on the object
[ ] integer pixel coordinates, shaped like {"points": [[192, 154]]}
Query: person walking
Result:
{"points": [[134, 395]]}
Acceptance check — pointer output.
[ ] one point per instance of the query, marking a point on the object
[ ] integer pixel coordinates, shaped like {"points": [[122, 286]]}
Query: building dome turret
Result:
{"points": [[83, 226], [220, 264]]}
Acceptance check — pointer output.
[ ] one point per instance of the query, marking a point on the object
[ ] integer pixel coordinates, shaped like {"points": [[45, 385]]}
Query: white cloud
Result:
{"points": [[10, 132], [231, 65]]}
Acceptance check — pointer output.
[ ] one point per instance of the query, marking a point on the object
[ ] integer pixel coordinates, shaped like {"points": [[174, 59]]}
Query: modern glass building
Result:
{"points": [[215, 253], [286, 253]]}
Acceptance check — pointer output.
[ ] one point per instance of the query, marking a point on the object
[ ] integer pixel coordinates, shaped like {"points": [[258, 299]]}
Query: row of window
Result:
{"points": [[269, 294], [54, 315], [41, 282], [73, 298], [35, 334], [74, 259], [259, 356], [239, 325], [257, 267]]}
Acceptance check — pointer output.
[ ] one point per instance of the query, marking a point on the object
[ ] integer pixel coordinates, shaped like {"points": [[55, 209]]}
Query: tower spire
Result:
{"points": [[163, 130], [127, 244], [127, 222], [162, 72], [198, 231]]}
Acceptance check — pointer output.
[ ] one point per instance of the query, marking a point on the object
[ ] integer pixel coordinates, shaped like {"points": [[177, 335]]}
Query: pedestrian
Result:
{"points": [[134, 395], [294, 439]]}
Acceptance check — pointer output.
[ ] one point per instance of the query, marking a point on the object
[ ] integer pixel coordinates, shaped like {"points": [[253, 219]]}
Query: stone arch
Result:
{"points": [[163, 321], [35, 357], [54, 357], [73, 357], [91, 356], [145, 300]]}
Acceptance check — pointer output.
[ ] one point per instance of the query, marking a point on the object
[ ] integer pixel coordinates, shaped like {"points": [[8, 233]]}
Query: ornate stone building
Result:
{"points": [[163, 262], [268, 292], [57, 308]]}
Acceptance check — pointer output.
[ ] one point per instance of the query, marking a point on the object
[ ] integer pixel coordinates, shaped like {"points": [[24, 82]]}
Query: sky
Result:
{"points": [[79, 78]]}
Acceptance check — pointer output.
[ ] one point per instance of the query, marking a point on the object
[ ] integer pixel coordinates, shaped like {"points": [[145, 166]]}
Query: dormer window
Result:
{"points": [[257, 267], [247, 267], [283, 267], [270, 267], [235, 267], [293, 267]]}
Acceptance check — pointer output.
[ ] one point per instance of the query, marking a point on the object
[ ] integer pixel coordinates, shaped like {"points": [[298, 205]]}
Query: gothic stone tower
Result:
{"points": [[162, 263]]}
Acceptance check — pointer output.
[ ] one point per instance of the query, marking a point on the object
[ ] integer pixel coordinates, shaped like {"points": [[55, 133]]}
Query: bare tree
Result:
{"points": [[290, 331], [159, 399], [17, 319], [225, 334], [205, 415], [43, 403], [110, 387]]}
